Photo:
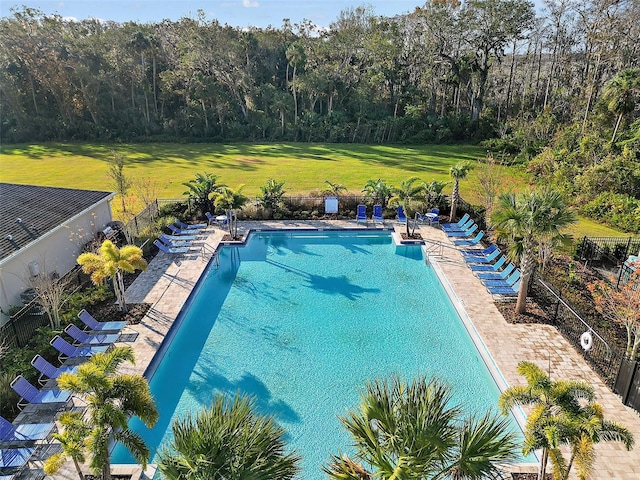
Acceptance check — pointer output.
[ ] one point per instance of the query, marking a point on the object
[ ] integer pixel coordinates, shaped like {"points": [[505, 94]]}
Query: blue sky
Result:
{"points": [[240, 13]]}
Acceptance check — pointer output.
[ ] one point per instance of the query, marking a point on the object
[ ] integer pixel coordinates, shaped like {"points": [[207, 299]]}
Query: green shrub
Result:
{"points": [[8, 398], [619, 210]]}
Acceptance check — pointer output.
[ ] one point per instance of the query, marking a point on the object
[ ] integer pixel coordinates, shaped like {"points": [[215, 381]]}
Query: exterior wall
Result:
{"points": [[56, 250]]}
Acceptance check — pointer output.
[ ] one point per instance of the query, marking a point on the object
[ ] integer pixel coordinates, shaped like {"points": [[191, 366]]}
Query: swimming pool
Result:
{"points": [[302, 320]]}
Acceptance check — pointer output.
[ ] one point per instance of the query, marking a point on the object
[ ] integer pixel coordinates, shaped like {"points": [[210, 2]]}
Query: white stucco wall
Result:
{"points": [[56, 250]]}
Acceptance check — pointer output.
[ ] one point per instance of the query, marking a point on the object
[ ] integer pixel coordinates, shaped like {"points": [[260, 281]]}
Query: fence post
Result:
{"points": [[555, 314]]}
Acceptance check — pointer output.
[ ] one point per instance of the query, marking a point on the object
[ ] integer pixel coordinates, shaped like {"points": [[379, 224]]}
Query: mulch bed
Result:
{"points": [[534, 313], [415, 236], [529, 476], [108, 311]]}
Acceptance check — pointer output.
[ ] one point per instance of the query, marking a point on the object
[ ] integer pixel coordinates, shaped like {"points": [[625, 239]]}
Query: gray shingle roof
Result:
{"points": [[41, 209]]}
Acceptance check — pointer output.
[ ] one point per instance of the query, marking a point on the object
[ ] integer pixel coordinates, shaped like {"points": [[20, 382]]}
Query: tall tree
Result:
{"points": [[414, 430], [119, 178], [525, 221], [112, 262], [622, 94], [229, 440], [408, 192], [112, 399]]}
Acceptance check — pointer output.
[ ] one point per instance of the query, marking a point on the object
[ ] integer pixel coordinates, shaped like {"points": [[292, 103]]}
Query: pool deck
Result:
{"points": [[168, 281]]}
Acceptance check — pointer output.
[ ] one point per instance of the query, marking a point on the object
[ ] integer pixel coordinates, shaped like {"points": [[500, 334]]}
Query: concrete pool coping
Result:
{"points": [[168, 281]]}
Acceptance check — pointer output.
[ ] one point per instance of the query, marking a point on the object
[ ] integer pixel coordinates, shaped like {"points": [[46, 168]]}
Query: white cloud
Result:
{"points": [[250, 4]]}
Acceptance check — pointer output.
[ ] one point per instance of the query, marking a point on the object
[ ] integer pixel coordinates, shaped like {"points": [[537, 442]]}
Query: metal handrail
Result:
{"points": [[589, 327]]}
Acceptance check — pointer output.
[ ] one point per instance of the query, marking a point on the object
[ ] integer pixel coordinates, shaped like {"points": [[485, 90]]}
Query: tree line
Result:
{"points": [[448, 71]]}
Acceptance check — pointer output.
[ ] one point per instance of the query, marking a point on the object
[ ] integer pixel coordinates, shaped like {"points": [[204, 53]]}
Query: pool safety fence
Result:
{"points": [[607, 251], [604, 356]]}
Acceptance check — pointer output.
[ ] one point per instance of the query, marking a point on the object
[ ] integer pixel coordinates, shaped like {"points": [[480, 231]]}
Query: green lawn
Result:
{"points": [[303, 167]]}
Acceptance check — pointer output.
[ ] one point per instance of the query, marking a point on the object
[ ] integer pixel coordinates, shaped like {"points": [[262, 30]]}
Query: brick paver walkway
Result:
{"points": [[168, 281]]}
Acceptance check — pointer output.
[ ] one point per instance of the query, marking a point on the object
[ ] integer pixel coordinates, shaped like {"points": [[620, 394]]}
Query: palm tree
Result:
{"points": [[230, 200], [333, 189], [405, 194], [73, 442], [404, 431], [379, 190], [587, 428], [622, 94], [457, 172], [112, 399], [525, 221], [433, 192], [553, 403], [228, 440], [202, 188], [111, 262], [272, 193]]}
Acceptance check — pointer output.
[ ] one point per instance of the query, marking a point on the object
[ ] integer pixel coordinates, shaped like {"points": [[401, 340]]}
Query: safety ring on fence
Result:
{"points": [[586, 340]]}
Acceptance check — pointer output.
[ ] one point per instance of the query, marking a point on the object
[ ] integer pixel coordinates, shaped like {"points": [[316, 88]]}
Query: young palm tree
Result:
{"points": [[458, 172], [405, 194], [587, 428], [622, 93], [272, 193], [333, 189], [404, 431], [202, 188], [525, 221], [112, 399], [228, 440], [111, 262], [72, 439], [553, 404], [230, 200], [379, 190]]}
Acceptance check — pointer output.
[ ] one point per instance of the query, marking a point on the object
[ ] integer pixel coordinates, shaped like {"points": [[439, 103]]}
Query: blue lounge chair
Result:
{"points": [[191, 226], [474, 241], [48, 371], [15, 458], [361, 214], [210, 218], [463, 233], [24, 432], [483, 267], [486, 259], [505, 291], [30, 394], [377, 214], [175, 244], [71, 351], [163, 248], [400, 215], [96, 326], [458, 225], [477, 252], [177, 238], [513, 278], [179, 231], [497, 275], [83, 338]]}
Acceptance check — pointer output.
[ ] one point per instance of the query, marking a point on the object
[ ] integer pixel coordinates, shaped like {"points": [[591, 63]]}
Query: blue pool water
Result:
{"points": [[302, 321]]}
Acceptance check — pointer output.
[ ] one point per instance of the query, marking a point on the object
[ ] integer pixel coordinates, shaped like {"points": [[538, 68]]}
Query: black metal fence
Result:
{"points": [[22, 325], [609, 252], [628, 384], [604, 356], [142, 221]]}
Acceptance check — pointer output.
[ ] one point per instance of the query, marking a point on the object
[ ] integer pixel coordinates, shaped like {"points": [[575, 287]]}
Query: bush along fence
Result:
{"points": [[604, 356]]}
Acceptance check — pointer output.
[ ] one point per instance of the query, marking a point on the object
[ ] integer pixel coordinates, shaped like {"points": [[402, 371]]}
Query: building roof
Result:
{"points": [[40, 210]]}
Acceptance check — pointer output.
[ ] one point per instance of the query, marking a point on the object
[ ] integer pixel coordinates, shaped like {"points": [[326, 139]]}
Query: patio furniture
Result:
{"points": [[497, 275], [361, 214], [83, 338], [30, 394], [14, 458], [172, 251], [71, 351], [186, 231], [96, 326], [470, 230], [191, 226], [483, 267], [400, 215], [473, 241], [48, 371], [24, 432], [458, 225], [377, 214]]}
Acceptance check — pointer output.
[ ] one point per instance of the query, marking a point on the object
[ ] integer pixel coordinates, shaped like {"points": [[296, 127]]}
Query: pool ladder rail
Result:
{"points": [[207, 253]]}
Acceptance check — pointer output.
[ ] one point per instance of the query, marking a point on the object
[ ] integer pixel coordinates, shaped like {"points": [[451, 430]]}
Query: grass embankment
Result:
{"points": [[303, 167]]}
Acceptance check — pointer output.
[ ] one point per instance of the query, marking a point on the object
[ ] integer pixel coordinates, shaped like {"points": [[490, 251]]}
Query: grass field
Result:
{"points": [[303, 167]]}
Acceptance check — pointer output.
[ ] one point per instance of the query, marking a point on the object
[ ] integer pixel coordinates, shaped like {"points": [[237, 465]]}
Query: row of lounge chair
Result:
{"points": [[361, 214], [499, 276], [182, 238], [19, 441]]}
